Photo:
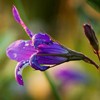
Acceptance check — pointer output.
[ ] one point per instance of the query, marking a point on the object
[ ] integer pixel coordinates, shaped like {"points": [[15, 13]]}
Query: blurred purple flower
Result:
{"points": [[66, 76], [40, 52]]}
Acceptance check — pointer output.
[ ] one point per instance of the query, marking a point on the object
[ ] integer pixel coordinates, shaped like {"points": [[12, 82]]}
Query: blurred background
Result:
{"points": [[63, 20]]}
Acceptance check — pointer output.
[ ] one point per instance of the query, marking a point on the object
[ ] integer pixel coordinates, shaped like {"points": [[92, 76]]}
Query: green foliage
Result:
{"points": [[95, 4]]}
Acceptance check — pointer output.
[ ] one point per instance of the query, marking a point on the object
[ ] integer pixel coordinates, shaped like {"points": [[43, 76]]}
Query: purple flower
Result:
{"points": [[40, 52], [69, 75]]}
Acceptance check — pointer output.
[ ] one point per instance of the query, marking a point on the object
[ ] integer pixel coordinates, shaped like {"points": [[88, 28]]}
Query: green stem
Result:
{"points": [[88, 60], [53, 86]]}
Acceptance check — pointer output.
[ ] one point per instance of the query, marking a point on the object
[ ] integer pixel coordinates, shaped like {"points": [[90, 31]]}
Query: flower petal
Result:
{"points": [[54, 48], [41, 38], [20, 50], [51, 54], [34, 63], [16, 14], [51, 60], [18, 71], [43, 43], [20, 21]]}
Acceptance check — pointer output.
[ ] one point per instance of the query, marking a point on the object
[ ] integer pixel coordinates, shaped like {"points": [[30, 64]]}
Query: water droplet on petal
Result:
{"points": [[15, 55]]}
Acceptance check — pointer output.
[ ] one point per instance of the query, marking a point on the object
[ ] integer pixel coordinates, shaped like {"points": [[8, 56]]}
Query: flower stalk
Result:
{"points": [[73, 57], [53, 86], [88, 60]]}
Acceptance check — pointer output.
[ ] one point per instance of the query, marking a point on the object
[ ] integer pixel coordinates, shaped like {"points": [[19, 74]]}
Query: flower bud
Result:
{"points": [[90, 34]]}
